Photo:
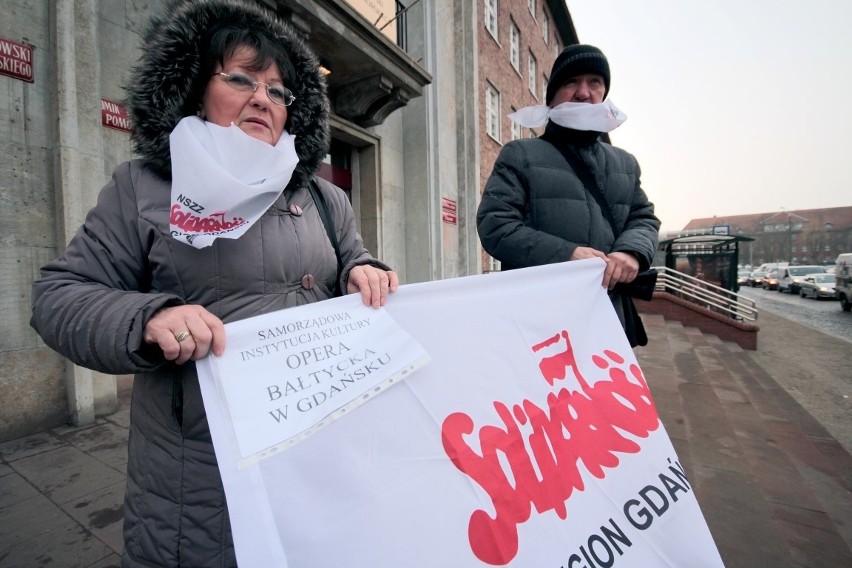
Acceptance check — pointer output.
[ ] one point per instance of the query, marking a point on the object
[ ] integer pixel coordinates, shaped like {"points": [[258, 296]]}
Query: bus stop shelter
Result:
{"points": [[709, 257]]}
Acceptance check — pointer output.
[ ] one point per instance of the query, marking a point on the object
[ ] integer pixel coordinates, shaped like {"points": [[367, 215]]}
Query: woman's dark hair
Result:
{"points": [[222, 43]]}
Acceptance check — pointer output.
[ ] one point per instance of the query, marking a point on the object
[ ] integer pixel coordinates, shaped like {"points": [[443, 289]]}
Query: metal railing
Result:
{"points": [[705, 294]]}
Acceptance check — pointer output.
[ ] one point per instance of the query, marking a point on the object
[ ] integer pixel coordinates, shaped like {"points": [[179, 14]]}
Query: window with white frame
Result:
{"points": [[532, 72], [515, 128], [545, 27], [515, 46], [556, 49], [493, 264], [531, 6], [544, 82], [491, 17], [492, 112]]}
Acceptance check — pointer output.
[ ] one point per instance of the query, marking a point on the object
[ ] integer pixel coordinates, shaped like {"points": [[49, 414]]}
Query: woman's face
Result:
{"points": [[253, 112]]}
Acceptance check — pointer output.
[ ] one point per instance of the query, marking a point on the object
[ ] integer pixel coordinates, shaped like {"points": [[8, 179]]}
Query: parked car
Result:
{"points": [[770, 281], [843, 283], [817, 286], [756, 278], [763, 270], [792, 276]]}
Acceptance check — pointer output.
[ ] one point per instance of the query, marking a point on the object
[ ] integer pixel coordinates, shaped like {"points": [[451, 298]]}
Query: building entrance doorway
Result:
{"points": [[337, 166]]}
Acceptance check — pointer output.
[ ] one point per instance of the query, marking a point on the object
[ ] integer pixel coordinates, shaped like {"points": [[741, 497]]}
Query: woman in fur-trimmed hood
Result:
{"points": [[219, 220], [167, 82]]}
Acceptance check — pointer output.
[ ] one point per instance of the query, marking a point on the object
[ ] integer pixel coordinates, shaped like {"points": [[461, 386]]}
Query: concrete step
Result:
{"points": [[657, 360]]}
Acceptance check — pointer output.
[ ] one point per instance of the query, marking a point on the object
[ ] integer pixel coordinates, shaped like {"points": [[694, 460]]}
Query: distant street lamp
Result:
{"points": [[790, 235], [827, 246], [741, 233]]}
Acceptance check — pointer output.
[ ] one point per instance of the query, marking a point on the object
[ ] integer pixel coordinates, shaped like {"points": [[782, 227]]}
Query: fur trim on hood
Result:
{"points": [[161, 82]]}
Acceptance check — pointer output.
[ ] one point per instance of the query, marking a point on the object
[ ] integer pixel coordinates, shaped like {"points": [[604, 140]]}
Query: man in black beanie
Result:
{"points": [[576, 60], [568, 195]]}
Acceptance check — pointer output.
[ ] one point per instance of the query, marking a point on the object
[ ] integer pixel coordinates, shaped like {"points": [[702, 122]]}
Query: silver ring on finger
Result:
{"points": [[182, 336]]}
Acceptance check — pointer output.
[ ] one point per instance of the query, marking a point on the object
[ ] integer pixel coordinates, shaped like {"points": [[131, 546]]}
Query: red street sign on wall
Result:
{"points": [[114, 115], [448, 211], [16, 60]]}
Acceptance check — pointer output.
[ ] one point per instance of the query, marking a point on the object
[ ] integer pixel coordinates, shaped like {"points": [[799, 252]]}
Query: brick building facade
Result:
{"points": [[802, 236], [518, 42]]}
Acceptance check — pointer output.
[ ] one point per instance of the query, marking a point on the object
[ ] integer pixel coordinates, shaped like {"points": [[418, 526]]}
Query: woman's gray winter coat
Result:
{"points": [[93, 302]]}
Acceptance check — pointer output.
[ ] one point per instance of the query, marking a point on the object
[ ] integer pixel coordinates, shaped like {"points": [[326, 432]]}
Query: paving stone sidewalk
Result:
{"points": [[61, 495]]}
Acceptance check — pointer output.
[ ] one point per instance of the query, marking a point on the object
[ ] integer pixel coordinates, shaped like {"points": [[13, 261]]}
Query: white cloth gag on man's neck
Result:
{"points": [[603, 117], [223, 180]]}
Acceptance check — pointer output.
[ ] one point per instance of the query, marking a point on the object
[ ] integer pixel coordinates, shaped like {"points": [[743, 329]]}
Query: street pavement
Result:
{"points": [[775, 486]]}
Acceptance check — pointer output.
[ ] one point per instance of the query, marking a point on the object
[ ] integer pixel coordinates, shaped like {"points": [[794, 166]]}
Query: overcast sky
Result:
{"points": [[734, 106]]}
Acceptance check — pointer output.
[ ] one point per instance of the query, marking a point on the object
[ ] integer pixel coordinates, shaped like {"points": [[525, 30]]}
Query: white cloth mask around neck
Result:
{"points": [[603, 117], [223, 180]]}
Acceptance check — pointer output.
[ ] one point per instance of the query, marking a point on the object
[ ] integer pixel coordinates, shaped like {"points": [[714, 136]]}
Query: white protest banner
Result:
{"points": [[530, 439]]}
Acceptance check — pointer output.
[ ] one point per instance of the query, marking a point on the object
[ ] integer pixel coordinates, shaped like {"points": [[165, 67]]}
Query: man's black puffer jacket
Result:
{"points": [[535, 209]]}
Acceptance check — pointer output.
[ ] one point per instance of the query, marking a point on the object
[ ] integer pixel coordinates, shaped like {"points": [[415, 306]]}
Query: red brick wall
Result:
{"points": [[513, 85], [691, 315]]}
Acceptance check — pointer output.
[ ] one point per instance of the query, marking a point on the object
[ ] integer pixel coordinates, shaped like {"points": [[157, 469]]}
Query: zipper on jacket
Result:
{"points": [[177, 399]]}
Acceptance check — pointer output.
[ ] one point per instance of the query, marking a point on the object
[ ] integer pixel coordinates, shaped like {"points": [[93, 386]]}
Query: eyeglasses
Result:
{"points": [[240, 82]]}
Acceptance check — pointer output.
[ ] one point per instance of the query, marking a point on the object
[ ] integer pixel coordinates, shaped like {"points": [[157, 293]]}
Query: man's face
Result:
{"points": [[586, 88]]}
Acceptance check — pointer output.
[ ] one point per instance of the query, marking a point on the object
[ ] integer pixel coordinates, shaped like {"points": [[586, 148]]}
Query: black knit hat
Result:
{"points": [[577, 60]]}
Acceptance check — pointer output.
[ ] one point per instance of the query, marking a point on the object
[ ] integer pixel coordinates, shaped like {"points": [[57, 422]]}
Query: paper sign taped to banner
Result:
{"points": [[530, 439], [287, 374]]}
